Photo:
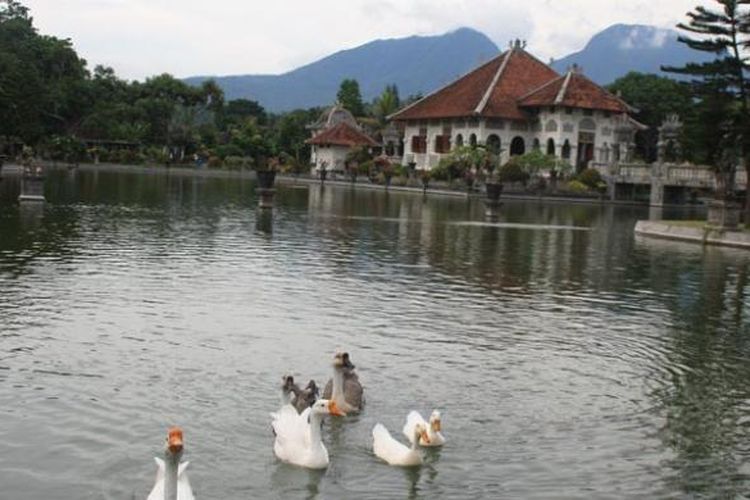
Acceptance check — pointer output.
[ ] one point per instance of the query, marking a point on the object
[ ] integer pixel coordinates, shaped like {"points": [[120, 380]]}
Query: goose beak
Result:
{"points": [[333, 409], [436, 425], [174, 441], [425, 437]]}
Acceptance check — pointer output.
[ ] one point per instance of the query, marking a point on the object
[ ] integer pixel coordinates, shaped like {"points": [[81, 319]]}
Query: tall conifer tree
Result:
{"points": [[723, 83]]}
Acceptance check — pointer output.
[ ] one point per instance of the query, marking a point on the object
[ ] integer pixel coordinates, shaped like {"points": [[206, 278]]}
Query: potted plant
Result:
{"points": [[386, 168], [323, 172], [425, 175], [265, 172]]}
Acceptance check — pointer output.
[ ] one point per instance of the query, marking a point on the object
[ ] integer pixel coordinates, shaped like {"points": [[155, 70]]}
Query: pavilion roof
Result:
{"points": [[342, 134], [576, 91], [491, 90]]}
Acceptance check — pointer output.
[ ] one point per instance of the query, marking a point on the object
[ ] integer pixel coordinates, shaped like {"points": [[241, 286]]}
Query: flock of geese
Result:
{"points": [[297, 429]]}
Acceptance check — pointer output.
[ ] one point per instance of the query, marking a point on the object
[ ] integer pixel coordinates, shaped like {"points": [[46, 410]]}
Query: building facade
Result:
{"points": [[516, 103], [334, 136]]}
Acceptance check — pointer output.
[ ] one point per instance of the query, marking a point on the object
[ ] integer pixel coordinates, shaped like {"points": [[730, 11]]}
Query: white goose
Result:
{"points": [[395, 453], [171, 480], [298, 435], [433, 428]]}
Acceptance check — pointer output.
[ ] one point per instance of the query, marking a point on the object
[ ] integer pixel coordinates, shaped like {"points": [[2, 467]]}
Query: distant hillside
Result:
{"points": [[416, 64], [622, 48]]}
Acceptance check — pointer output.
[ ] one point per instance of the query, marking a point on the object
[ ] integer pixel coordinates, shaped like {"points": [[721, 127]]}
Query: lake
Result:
{"points": [[569, 359]]}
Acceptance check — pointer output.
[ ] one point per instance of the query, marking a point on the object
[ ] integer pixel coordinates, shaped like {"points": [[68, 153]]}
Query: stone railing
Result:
{"points": [[637, 170]]}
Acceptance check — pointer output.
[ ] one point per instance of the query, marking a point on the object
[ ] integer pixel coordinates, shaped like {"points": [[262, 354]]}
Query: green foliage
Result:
{"points": [[358, 155], [513, 171], [590, 177], [238, 162], [42, 79], [535, 162], [289, 133], [577, 187], [655, 97], [721, 86], [350, 97], [239, 110], [461, 161], [387, 104]]}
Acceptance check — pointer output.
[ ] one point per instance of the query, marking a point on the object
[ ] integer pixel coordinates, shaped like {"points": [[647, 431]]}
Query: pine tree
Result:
{"points": [[350, 97], [725, 32]]}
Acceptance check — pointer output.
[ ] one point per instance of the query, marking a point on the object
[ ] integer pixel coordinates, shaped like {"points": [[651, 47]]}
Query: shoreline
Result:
{"points": [[11, 170], [703, 235]]}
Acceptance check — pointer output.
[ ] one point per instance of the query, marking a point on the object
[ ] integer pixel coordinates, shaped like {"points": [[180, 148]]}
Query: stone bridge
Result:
{"points": [[661, 183]]}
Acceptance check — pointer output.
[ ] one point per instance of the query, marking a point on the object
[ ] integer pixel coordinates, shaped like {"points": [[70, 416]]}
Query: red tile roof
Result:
{"points": [[342, 134], [491, 90], [576, 91]]}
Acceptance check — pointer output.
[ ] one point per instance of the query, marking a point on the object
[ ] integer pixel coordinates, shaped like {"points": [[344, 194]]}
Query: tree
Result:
{"points": [[387, 104], [350, 97], [289, 132], [655, 97], [237, 110], [725, 32], [42, 79]]}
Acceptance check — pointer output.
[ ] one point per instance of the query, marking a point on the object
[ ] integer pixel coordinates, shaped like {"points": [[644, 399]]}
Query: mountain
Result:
{"points": [[417, 64], [622, 48]]}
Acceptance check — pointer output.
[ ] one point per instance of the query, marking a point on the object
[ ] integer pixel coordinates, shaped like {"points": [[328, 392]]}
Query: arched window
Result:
{"points": [[517, 146], [566, 150], [551, 147], [536, 146], [459, 140], [551, 126], [493, 144], [473, 140]]}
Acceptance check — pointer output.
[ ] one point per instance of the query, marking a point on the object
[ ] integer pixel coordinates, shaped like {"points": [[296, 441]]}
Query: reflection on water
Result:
{"points": [[569, 359]]}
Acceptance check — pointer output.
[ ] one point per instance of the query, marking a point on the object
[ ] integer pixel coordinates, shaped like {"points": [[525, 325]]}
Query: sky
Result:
{"points": [[139, 38]]}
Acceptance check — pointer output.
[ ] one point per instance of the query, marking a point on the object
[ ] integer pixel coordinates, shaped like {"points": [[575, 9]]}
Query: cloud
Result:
{"points": [[144, 37]]}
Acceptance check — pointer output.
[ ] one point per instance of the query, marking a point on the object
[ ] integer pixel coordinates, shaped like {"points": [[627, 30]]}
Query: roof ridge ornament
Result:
{"points": [[517, 44]]}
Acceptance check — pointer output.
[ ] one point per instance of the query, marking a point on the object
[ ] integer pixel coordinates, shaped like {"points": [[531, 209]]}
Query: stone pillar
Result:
{"points": [[32, 185], [724, 214], [265, 197], [492, 201], [657, 193]]}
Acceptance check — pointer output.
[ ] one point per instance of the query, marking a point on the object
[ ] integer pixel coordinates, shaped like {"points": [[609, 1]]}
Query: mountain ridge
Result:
{"points": [[421, 64]]}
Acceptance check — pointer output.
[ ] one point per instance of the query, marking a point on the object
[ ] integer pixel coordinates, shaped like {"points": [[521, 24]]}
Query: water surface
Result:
{"points": [[569, 359]]}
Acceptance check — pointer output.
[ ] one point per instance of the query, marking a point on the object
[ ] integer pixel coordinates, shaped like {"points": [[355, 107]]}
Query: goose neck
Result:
{"points": [[337, 391], [171, 466], [315, 421]]}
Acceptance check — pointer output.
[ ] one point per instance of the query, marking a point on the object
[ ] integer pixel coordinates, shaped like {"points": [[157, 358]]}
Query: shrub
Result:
{"points": [[513, 171], [214, 162], [401, 180], [577, 187], [590, 177], [366, 167], [237, 162], [440, 172]]}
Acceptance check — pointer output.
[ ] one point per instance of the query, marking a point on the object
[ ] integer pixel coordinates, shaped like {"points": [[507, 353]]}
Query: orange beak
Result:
{"points": [[333, 409], [174, 441], [425, 437], [436, 425]]}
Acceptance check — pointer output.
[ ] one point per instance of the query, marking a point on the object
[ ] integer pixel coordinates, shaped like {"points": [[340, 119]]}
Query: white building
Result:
{"points": [[514, 103], [335, 134]]}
